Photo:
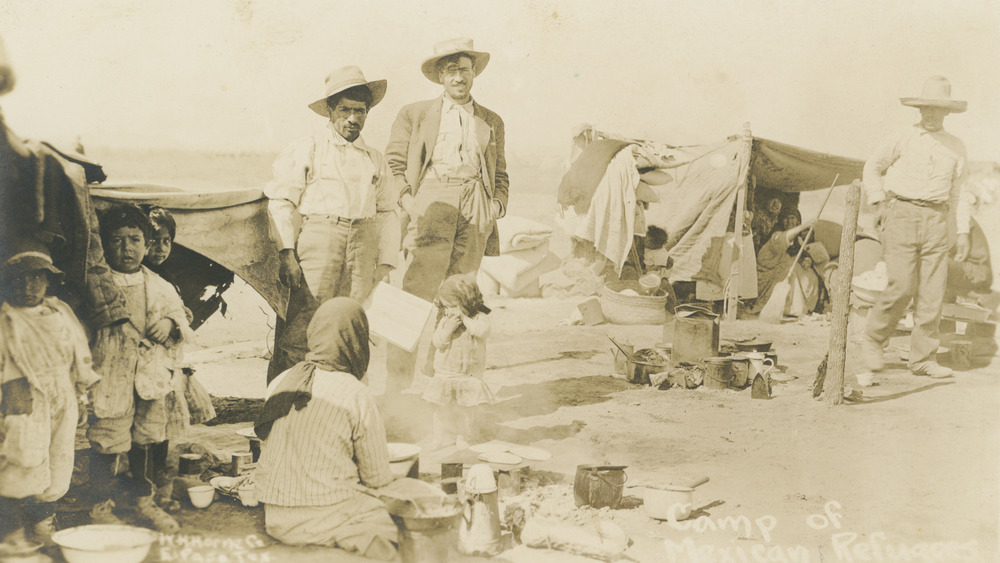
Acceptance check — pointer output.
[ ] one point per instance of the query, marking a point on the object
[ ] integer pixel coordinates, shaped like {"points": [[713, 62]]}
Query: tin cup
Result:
{"points": [[189, 464], [241, 462]]}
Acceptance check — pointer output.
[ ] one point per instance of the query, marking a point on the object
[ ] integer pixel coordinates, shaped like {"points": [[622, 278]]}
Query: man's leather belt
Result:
{"points": [[922, 202], [451, 180], [337, 219]]}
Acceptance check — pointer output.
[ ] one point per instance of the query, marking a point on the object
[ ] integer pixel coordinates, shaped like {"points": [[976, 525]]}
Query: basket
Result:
{"points": [[632, 309]]}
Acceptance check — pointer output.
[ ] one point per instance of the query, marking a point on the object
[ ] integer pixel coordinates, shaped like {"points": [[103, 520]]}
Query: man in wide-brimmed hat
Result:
{"points": [[447, 157], [916, 180], [340, 191]]}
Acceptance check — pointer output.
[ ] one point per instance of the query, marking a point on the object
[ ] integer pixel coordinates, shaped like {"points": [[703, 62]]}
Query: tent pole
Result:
{"points": [[833, 386], [733, 287]]}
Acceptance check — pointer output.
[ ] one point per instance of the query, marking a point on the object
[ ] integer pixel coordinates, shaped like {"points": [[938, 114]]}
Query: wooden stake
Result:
{"points": [[732, 296], [833, 386]]}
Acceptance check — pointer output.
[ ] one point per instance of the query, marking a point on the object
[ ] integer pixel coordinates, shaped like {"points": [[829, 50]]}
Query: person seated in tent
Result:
{"points": [[776, 256], [324, 443], [807, 289], [764, 221]]}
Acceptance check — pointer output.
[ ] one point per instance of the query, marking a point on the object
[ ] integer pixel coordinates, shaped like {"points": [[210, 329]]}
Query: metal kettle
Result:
{"points": [[479, 533]]}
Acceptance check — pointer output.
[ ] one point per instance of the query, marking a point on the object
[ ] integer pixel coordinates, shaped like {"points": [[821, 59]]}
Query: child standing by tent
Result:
{"points": [[459, 360], [139, 404], [44, 375]]}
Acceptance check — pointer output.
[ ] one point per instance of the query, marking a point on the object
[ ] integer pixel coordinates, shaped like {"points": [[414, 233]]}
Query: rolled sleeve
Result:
{"points": [[291, 171]]}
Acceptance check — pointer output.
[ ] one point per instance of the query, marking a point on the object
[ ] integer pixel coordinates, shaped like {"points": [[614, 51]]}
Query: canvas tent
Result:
{"points": [[711, 180], [219, 233]]}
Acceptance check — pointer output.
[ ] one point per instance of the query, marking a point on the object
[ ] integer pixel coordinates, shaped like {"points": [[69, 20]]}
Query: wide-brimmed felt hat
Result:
{"points": [[343, 79], [451, 47], [936, 93], [28, 255]]}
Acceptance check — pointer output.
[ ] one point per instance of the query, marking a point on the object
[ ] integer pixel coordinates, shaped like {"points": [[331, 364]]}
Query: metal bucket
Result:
{"points": [[599, 485], [741, 371], [696, 334], [619, 358], [428, 528], [718, 372]]}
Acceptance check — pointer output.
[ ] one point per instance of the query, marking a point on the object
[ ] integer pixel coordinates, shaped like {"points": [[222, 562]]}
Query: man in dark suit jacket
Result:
{"points": [[447, 157]]}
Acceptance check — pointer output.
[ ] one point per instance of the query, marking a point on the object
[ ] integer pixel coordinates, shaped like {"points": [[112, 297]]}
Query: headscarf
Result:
{"points": [[461, 291], [338, 341]]}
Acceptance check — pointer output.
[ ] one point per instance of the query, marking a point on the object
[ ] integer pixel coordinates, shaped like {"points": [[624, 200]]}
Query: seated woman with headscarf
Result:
{"points": [[773, 260], [324, 443]]}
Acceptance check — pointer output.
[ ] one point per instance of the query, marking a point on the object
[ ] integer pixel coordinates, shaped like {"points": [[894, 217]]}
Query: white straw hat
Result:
{"points": [[936, 93], [451, 47], [343, 79]]}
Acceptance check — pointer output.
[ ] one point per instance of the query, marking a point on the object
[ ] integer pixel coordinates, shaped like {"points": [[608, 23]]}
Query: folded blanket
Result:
{"points": [[509, 273], [520, 233]]}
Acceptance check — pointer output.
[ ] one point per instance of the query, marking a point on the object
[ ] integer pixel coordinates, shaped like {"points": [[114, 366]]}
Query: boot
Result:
{"points": [[162, 477], [40, 521], [42, 531], [102, 485], [140, 462], [102, 513], [161, 521]]}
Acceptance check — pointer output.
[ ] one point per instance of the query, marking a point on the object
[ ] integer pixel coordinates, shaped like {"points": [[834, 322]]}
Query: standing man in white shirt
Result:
{"points": [[447, 156], [916, 180], [334, 206]]}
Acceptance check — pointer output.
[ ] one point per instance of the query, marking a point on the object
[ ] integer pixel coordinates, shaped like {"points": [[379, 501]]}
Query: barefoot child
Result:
{"points": [[44, 374], [139, 403], [459, 360]]}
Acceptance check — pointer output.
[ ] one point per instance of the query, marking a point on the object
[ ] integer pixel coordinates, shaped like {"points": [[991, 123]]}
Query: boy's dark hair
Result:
{"points": [[354, 93], [124, 215], [655, 237], [160, 217]]}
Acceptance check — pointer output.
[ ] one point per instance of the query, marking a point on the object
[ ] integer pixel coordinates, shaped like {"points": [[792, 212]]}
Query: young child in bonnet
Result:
{"points": [[459, 361], [45, 370]]}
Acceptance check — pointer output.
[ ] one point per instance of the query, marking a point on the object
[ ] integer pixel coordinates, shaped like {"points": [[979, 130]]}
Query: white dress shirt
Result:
{"points": [[456, 150]]}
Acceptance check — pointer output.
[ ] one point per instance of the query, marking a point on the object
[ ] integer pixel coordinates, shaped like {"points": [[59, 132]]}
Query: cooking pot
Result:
{"points": [[755, 345]]}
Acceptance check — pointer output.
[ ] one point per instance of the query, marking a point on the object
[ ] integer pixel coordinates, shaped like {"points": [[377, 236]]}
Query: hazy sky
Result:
{"points": [[237, 74]]}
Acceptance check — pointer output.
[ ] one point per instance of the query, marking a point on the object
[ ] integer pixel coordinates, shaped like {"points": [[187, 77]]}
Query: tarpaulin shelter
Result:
{"points": [[219, 233], [711, 181]]}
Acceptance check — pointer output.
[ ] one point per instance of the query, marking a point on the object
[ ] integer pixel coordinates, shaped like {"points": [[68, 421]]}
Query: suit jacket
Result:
{"points": [[411, 145]]}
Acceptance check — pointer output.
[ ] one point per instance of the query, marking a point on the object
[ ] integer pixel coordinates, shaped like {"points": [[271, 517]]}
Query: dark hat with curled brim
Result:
{"points": [[452, 47], [936, 93], [346, 78]]}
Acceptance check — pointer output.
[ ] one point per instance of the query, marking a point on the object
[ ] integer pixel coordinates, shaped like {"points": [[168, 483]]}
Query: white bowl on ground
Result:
{"points": [[201, 495], [100, 543], [865, 379], [668, 503]]}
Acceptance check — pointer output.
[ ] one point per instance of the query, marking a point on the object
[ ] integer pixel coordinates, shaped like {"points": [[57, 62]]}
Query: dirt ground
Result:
{"points": [[907, 472]]}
